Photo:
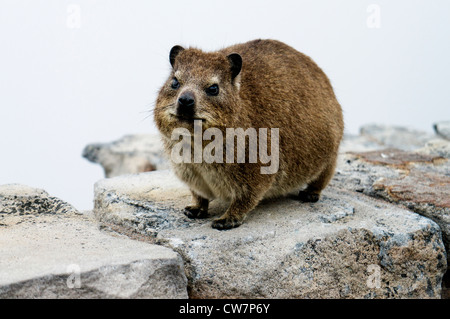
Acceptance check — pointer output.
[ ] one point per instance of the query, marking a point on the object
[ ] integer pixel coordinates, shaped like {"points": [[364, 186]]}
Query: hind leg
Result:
{"points": [[314, 188]]}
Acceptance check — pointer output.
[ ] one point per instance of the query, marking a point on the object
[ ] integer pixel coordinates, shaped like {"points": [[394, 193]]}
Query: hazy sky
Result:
{"points": [[77, 72]]}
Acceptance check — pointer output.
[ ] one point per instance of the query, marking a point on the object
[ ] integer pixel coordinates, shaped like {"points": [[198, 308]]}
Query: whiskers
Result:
{"points": [[169, 113], [150, 110], [149, 113]]}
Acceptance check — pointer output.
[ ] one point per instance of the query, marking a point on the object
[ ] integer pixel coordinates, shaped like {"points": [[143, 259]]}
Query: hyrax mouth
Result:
{"points": [[186, 119]]}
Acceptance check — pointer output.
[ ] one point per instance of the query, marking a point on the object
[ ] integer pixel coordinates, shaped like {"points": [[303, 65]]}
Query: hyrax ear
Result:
{"points": [[173, 53], [235, 64]]}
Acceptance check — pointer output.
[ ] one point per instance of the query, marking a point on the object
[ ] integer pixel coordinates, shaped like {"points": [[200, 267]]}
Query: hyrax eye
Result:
{"points": [[213, 90], [175, 84]]}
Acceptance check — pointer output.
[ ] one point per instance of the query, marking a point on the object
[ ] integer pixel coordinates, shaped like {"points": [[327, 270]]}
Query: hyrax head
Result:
{"points": [[201, 86]]}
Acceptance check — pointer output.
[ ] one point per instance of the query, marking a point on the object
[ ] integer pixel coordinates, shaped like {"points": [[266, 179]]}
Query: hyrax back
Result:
{"points": [[261, 84]]}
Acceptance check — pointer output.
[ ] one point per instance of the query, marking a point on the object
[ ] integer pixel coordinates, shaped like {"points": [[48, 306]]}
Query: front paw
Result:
{"points": [[195, 212], [308, 197], [224, 223]]}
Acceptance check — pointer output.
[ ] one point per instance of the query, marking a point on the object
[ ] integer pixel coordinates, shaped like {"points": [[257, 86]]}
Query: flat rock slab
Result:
{"points": [[47, 252], [345, 246]]}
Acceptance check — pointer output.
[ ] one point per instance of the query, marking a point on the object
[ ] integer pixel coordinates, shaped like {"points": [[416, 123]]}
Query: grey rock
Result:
{"points": [[418, 180], [17, 199], [358, 143], [129, 155], [436, 147], [50, 250], [345, 246], [133, 154], [443, 129], [398, 137]]}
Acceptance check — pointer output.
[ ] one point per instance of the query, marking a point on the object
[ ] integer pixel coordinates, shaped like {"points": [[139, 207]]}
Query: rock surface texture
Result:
{"points": [[50, 250], [345, 246], [402, 166], [380, 230], [417, 178]]}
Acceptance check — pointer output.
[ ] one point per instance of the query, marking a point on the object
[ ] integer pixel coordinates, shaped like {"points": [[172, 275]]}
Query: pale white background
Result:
{"points": [[77, 72]]}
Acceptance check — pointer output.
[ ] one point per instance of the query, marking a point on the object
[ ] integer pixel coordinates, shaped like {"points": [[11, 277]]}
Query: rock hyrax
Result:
{"points": [[258, 86]]}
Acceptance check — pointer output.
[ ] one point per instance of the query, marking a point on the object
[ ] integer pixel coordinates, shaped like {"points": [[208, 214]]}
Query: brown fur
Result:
{"points": [[277, 87]]}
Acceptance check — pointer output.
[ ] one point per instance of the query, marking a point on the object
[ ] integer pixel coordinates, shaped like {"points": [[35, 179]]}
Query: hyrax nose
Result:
{"points": [[186, 103]]}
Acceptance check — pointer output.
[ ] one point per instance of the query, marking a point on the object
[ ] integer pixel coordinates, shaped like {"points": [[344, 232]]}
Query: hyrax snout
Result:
{"points": [[248, 122]]}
